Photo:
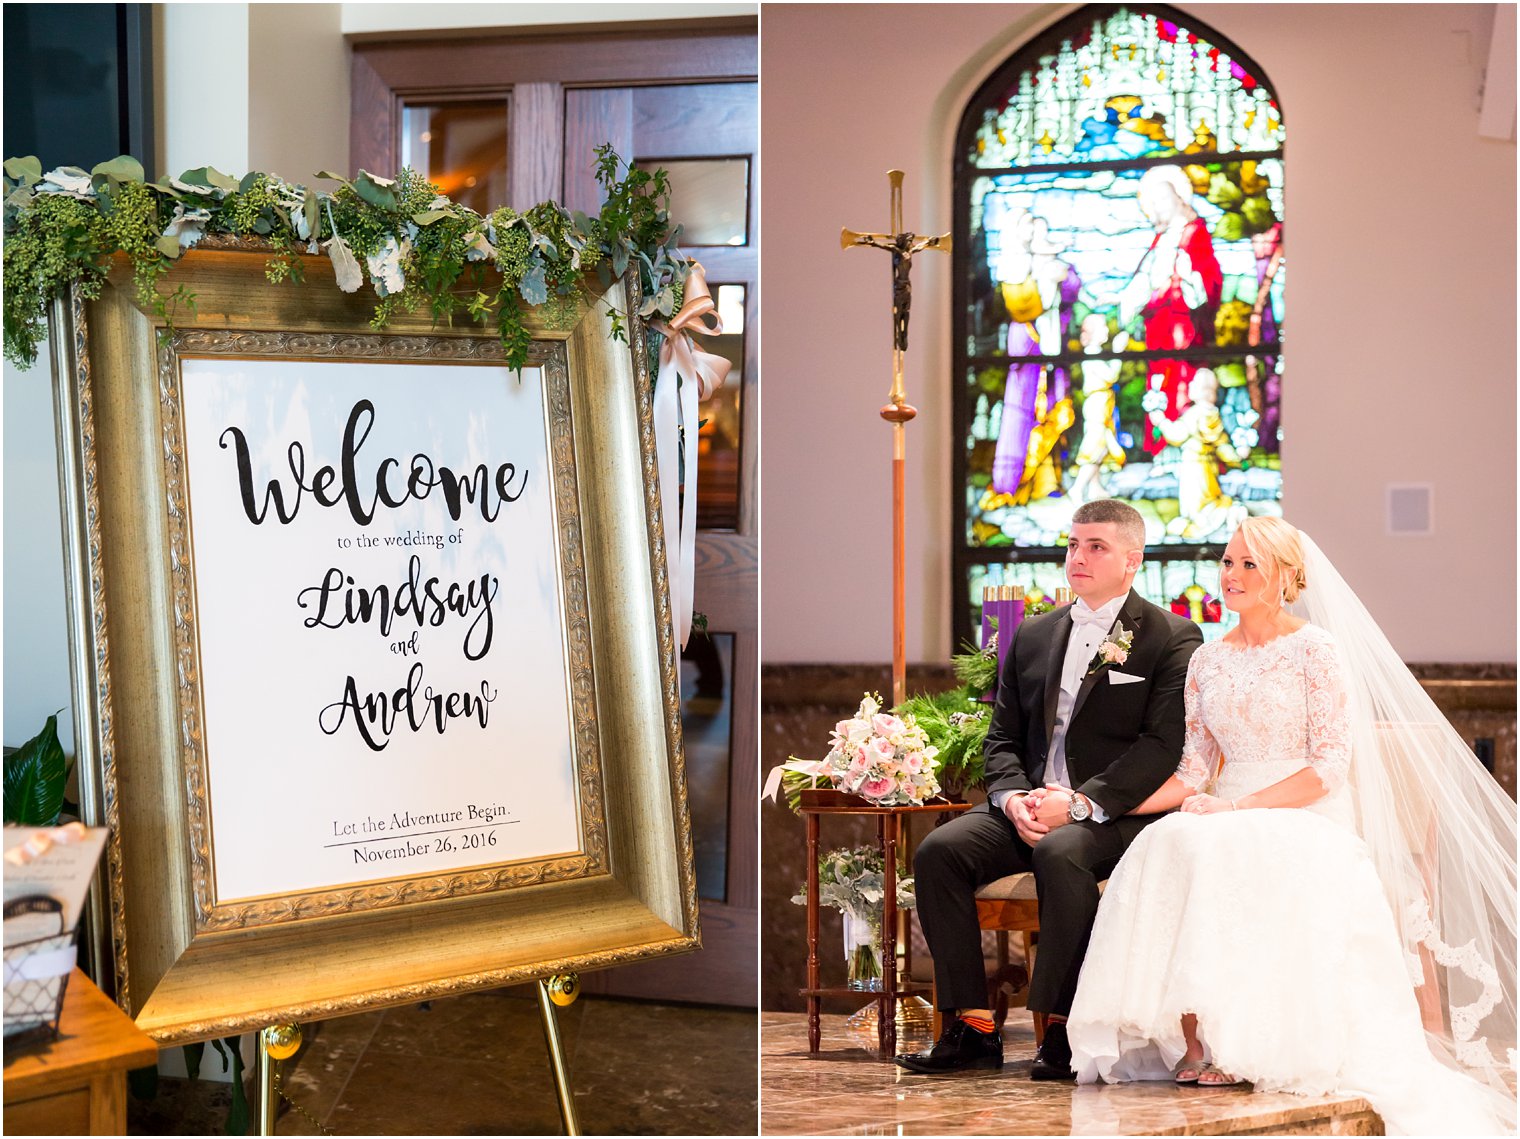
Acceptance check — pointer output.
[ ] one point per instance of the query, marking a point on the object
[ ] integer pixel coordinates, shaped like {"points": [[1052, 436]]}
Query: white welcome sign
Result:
{"points": [[380, 620]]}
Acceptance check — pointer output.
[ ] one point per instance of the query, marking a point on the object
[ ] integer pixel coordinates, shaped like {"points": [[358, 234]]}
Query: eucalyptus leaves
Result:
{"points": [[853, 881], [415, 246]]}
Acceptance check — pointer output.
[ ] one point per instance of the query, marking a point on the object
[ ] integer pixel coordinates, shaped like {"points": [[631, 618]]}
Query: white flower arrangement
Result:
{"points": [[852, 880]]}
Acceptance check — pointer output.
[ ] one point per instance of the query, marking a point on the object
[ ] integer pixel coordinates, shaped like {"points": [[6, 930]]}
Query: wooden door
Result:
{"points": [[706, 136], [684, 99]]}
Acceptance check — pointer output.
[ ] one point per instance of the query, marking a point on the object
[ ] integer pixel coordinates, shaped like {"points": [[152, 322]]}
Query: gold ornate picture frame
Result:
{"points": [[257, 872]]}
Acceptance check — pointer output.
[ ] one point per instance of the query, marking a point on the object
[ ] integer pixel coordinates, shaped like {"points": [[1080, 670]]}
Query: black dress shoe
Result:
{"points": [[959, 1048], [1053, 1060]]}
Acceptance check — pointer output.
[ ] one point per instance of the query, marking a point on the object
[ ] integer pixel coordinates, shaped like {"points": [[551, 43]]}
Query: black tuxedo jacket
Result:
{"points": [[1124, 739]]}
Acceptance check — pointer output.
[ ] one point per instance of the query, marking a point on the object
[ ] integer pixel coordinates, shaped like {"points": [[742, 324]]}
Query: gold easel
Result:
{"points": [[560, 989], [282, 1041]]}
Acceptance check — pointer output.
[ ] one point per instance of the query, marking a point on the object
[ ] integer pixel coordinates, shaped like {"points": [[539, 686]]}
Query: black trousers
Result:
{"points": [[981, 845]]}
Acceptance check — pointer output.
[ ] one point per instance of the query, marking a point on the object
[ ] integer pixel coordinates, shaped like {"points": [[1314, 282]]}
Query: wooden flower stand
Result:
{"points": [[815, 804]]}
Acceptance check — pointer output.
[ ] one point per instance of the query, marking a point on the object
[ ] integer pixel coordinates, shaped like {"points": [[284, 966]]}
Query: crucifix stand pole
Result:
{"points": [[898, 411]]}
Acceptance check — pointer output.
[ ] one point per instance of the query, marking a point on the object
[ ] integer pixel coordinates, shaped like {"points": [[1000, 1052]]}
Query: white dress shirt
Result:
{"points": [[1089, 628]]}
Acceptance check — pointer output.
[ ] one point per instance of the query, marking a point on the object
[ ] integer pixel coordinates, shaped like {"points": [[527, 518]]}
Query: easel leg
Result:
{"points": [[277, 1042], [561, 989]]}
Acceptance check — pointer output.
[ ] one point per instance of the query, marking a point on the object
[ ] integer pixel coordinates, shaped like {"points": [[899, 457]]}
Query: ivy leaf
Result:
{"points": [[17, 198], [123, 168], [207, 179], [620, 260], [376, 191], [533, 287], [34, 777], [24, 170], [428, 217]]}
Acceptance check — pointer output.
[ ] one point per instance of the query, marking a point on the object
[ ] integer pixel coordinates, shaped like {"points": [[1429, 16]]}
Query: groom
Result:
{"points": [[1089, 722]]}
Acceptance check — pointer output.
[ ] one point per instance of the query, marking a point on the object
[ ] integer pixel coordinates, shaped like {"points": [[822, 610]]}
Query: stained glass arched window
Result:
{"points": [[1118, 302]]}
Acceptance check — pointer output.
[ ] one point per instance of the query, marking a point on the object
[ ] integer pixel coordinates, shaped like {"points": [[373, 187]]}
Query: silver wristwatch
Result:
{"points": [[1077, 809]]}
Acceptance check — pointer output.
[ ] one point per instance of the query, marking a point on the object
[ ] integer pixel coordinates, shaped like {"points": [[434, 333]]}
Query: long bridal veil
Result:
{"points": [[1441, 833]]}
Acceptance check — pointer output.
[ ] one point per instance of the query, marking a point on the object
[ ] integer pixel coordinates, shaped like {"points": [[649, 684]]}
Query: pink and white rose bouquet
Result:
{"points": [[884, 759]]}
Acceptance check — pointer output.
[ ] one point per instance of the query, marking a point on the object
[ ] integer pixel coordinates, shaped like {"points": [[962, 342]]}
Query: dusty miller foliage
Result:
{"points": [[418, 249]]}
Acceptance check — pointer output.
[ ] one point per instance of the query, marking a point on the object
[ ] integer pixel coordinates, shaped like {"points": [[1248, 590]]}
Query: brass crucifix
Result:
{"points": [[903, 246]]}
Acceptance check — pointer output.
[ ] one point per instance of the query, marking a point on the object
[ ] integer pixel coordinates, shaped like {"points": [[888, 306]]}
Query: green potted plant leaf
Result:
{"points": [[35, 775]]}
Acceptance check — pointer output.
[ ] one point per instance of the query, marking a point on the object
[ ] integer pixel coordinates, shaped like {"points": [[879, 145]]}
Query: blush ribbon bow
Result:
{"points": [[688, 373]]}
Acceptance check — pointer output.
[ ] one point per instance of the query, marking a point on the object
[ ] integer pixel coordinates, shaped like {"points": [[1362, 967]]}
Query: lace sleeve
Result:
{"points": [[1329, 723], [1200, 751]]}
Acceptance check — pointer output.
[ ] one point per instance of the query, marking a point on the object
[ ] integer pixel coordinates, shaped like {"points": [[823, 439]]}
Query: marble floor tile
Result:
{"points": [[181, 1107], [675, 1074], [846, 1089], [495, 1026], [477, 1065], [330, 1051]]}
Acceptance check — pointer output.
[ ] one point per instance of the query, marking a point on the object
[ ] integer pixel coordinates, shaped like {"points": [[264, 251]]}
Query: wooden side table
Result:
{"points": [[76, 1085], [820, 802]]}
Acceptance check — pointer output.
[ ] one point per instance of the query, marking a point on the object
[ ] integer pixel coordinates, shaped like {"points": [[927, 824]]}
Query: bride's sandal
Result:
{"points": [[1222, 1078], [1186, 1071]]}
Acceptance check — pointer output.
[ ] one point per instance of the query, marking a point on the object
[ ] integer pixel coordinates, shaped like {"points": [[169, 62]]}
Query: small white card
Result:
{"points": [[53, 862], [1123, 678]]}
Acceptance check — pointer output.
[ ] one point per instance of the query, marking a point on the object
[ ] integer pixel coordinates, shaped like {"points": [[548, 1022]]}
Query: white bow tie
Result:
{"points": [[1081, 616]]}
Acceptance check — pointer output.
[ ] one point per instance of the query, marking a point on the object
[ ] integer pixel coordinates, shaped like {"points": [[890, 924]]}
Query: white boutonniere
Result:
{"points": [[1113, 650]]}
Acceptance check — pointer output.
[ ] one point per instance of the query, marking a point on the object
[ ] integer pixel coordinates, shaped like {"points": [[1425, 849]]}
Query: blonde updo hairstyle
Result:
{"points": [[1279, 550]]}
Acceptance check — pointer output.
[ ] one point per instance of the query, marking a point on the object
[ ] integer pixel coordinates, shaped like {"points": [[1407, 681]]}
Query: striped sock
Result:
{"points": [[981, 1023]]}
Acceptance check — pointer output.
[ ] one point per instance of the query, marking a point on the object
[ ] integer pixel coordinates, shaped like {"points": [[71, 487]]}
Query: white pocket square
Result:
{"points": [[1123, 678]]}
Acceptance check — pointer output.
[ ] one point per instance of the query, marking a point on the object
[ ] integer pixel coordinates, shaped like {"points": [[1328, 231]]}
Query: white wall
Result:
{"points": [[203, 93], [1400, 327], [36, 657]]}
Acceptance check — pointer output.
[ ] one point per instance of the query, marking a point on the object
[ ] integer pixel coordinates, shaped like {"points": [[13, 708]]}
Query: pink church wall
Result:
{"points": [[1393, 199]]}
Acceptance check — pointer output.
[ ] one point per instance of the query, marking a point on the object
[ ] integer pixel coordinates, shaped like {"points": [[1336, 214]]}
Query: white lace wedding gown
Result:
{"points": [[1269, 924]]}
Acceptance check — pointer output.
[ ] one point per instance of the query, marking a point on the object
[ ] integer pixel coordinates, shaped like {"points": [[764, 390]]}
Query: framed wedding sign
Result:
{"points": [[377, 684]]}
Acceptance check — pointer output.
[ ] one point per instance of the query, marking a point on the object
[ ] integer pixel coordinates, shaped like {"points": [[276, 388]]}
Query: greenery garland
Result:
{"points": [[418, 247]]}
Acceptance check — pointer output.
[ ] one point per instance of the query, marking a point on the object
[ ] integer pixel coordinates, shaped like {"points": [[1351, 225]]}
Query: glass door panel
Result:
{"points": [[709, 198], [707, 705], [461, 146]]}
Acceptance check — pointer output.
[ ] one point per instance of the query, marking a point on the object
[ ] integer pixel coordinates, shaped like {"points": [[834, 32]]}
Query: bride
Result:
{"points": [[1333, 908]]}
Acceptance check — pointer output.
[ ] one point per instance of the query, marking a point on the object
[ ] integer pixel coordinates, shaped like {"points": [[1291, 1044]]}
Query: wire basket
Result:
{"points": [[36, 977]]}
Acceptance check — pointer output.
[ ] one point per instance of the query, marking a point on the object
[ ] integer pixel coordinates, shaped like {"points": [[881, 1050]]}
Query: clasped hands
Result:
{"points": [[1034, 814]]}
